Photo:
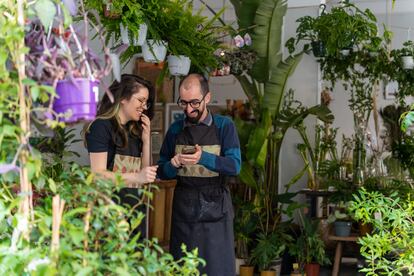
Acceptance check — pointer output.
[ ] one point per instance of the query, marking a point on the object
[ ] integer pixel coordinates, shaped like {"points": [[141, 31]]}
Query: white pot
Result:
{"points": [[124, 34], [408, 62], [158, 53], [239, 262], [138, 41], [142, 35], [345, 52], [179, 65]]}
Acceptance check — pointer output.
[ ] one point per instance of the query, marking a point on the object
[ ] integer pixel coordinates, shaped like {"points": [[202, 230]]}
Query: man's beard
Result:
{"points": [[194, 120]]}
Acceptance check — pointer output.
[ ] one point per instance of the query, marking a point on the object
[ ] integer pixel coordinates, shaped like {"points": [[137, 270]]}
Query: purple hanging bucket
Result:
{"points": [[81, 99]]}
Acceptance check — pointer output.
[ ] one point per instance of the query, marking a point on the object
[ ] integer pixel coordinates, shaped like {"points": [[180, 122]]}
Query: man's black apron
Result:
{"points": [[202, 209]]}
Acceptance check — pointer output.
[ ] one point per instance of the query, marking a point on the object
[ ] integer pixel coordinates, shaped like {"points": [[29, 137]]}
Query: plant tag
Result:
{"points": [[95, 90], [377, 216]]}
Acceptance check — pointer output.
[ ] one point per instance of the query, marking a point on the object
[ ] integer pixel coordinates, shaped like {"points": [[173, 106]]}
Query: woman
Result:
{"points": [[118, 140]]}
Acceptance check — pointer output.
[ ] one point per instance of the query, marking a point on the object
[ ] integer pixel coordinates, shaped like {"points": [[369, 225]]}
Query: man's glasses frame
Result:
{"points": [[193, 103]]}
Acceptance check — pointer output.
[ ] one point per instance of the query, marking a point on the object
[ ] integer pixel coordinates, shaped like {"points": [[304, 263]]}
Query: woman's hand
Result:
{"points": [[147, 175], [146, 128]]}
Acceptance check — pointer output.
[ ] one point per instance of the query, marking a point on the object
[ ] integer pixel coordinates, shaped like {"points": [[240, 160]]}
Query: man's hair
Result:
{"points": [[201, 79]]}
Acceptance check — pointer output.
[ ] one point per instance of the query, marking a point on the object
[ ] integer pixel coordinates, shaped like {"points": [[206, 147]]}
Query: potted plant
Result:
{"points": [[64, 60], [192, 38], [245, 225], [308, 30], [342, 220], [309, 249], [405, 54], [389, 250], [127, 28]]}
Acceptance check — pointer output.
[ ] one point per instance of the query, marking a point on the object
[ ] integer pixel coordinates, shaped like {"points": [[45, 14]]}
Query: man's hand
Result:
{"points": [[191, 159]]}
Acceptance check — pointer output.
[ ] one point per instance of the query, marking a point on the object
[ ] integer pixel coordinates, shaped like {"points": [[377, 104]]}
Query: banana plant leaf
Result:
{"points": [[274, 88], [267, 37], [258, 141], [247, 176], [245, 11], [322, 112]]}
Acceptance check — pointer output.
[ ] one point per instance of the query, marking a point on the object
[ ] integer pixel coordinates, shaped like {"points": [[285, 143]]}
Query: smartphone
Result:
{"points": [[188, 150]]}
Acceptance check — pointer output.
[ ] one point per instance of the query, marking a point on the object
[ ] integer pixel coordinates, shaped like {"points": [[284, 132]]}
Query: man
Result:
{"points": [[200, 151]]}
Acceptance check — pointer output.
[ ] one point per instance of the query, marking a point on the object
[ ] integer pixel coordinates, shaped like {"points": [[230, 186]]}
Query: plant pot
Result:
{"points": [[154, 51], [138, 41], [312, 269], [239, 262], [345, 52], [343, 228], [179, 65], [365, 228], [318, 48], [407, 62], [246, 270], [80, 98], [108, 13], [267, 273], [276, 265], [142, 35]]}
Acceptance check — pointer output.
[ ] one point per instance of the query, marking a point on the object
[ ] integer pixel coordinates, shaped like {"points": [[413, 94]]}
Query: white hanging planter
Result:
{"points": [[138, 41], [124, 34], [179, 65], [154, 51], [142, 35], [408, 62]]}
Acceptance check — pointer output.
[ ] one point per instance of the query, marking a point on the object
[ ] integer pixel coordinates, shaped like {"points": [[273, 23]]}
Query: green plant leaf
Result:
{"points": [[46, 11], [274, 89]]}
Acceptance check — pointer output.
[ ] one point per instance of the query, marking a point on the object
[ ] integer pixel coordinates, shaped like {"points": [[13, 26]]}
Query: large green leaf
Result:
{"points": [[46, 11], [275, 87], [267, 36], [258, 141], [246, 176], [247, 13]]}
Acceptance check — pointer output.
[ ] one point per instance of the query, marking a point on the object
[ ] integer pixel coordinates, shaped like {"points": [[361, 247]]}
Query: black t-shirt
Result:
{"points": [[101, 138]]}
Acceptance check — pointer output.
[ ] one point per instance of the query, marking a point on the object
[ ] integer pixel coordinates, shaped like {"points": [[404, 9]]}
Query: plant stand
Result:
{"points": [[338, 250]]}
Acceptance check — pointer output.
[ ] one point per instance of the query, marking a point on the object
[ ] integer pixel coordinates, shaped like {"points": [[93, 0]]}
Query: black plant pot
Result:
{"points": [[318, 48]]}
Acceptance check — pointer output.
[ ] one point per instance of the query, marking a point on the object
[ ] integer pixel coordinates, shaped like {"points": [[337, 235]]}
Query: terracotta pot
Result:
{"points": [[312, 269], [268, 273], [246, 270], [365, 229]]}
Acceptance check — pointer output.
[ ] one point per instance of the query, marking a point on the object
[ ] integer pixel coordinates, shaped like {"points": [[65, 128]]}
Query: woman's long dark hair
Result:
{"points": [[129, 85]]}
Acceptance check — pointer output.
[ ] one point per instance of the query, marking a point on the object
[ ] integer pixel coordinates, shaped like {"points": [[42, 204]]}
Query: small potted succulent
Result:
{"points": [[60, 56]]}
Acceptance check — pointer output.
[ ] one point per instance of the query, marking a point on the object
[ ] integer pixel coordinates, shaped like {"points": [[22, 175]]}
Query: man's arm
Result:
{"points": [[229, 162]]}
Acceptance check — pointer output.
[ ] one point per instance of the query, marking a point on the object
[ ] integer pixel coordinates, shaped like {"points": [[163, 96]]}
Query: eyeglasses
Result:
{"points": [[144, 103], [192, 103]]}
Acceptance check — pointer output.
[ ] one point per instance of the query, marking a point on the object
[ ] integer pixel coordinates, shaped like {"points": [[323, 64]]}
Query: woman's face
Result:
{"points": [[133, 108]]}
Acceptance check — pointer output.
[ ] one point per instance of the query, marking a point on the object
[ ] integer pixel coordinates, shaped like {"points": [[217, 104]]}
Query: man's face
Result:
{"points": [[193, 102]]}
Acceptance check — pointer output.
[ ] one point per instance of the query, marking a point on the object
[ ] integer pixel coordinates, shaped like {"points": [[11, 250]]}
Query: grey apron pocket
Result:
{"points": [[199, 206], [211, 206]]}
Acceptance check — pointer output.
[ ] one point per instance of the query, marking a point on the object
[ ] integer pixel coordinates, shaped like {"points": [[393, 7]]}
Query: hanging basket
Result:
{"points": [[154, 51], [179, 65], [407, 62], [79, 98], [137, 41]]}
